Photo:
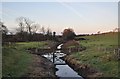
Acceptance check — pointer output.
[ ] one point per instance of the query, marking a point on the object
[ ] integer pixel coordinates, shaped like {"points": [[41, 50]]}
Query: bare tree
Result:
{"points": [[28, 24], [3, 28], [1, 23], [21, 24], [25, 24], [48, 32], [98, 32], [43, 30], [35, 28], [116, 30]]}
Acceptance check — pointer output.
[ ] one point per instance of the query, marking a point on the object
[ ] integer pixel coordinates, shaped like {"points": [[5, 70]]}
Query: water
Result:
{"points": [[56, 58], [59, 47], [64, 70]]}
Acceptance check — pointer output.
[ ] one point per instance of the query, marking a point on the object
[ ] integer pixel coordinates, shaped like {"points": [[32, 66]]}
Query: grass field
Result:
{"points": [[16, 59], [100, 53]]}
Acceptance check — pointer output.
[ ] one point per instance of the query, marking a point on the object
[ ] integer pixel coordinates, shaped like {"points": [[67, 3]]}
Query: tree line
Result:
{"points": [[27, 30]]}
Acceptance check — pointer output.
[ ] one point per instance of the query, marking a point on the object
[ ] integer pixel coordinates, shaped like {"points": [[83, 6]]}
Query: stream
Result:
{"points": [[64, 70]]}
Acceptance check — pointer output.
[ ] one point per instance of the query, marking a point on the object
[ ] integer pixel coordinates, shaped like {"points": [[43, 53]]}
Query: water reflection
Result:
{"points": [[56, 58], [64, 70]]}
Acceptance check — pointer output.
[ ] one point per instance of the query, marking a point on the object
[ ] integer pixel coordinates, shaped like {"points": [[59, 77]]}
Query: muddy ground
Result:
{"points": [[41, 68]]}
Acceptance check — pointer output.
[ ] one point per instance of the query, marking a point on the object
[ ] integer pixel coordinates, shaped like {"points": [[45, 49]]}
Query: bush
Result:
{"points": [[68, 34]]}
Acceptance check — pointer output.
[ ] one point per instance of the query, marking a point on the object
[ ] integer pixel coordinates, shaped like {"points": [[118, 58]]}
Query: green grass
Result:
{"points": [[15, 62], [99, 53], [26, 45], [16, 59]]}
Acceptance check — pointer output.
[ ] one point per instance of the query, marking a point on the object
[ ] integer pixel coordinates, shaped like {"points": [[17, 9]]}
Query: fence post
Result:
{"points": [[36, 50]]}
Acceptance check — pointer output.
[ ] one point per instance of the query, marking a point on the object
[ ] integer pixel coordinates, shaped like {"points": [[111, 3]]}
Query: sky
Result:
{"points": [[82, 17]]}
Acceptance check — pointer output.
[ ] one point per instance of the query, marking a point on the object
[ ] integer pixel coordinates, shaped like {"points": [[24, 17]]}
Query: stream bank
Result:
{"points": [[50, 65], [40, 68], [86, 71], [63, 70], [47, 66]]}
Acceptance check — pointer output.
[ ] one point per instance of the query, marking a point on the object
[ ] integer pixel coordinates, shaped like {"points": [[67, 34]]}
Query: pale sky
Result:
{"points": [[83, 17]]}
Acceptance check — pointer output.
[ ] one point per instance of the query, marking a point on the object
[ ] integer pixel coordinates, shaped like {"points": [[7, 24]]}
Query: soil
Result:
{"points": [[72, 46], [86, 71], [70, 43], [41, 68]]}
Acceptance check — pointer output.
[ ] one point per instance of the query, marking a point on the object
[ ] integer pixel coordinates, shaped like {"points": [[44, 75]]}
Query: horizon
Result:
{"points": [[89, 17]]}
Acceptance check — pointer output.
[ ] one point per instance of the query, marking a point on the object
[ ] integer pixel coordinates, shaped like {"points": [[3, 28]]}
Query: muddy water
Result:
{"points": [[64, 70]]}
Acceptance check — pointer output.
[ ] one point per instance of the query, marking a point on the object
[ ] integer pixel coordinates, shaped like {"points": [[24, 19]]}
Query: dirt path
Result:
{"points": [[40, 67]]}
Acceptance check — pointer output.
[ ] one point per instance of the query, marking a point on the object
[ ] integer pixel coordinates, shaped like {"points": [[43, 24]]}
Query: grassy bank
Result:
{"points": [[100, 53], [16, 59]]}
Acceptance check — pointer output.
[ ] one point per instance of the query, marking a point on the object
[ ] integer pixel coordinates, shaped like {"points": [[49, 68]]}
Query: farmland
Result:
{"points": [[100, 53]]}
